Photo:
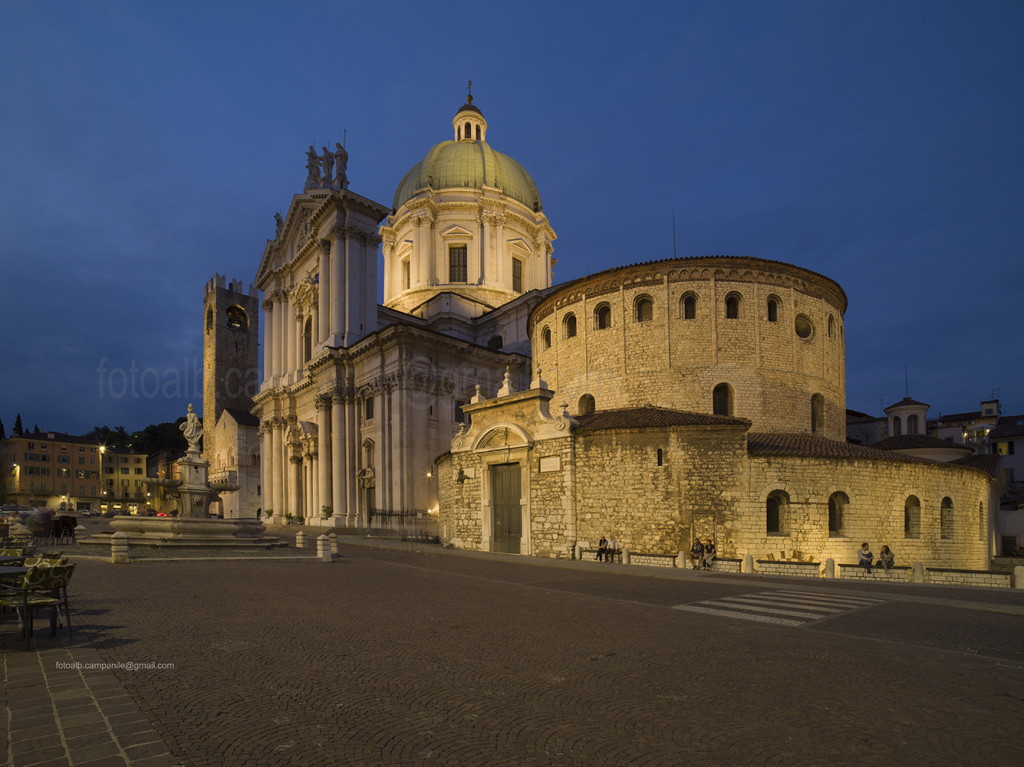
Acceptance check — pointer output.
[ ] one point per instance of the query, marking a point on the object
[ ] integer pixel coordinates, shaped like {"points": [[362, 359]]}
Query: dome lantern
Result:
{"points": [[469, 122]]}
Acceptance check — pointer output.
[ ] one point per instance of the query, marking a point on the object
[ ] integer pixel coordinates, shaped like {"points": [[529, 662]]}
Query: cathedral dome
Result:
{"points": [[469, 162]]}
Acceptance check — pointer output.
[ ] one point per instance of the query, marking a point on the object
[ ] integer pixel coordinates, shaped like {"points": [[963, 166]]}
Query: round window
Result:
{"points": [[804, 327]]}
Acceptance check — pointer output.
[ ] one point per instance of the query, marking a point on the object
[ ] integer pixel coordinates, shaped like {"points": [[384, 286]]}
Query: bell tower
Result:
{"points": [[230, 352]]}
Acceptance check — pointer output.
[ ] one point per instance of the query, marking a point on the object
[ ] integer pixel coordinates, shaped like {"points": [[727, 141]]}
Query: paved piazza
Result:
{"points": [[392, 657]]}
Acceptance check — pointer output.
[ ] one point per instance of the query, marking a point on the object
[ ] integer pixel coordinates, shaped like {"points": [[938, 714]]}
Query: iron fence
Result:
{"points": [[409, 525]]}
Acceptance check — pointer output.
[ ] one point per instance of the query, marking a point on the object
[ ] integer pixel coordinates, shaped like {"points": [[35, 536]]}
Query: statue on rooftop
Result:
{"points": [[328, 163], [341, 157], [313, 166]]}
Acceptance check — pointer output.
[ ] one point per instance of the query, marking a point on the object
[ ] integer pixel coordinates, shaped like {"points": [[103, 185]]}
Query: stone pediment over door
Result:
{"points": [[501, 437]]}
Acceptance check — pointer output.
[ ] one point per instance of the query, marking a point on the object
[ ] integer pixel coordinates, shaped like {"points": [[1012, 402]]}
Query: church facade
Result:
{"points": [[657, 402]]}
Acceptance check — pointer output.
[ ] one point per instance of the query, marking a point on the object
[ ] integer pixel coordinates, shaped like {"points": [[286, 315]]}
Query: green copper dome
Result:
{"points": [[469, 164]]}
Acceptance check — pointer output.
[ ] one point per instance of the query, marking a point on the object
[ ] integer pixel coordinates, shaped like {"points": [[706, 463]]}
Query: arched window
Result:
{"points": [[209, 320], [776, 510], [661, 457], [585, 405], [478, 133], [369, 407], [721, 400], [946, 519], [982, 523], [469, 130], [307, 339], [817, 414], [837, 504], [912, 518], [643, 309], [897, 426], [831, 324], [547, 338], [458, 133], [368, 453], [602, 317], [732, 306], [569, 326], [773, 309], [912, 423], [689, 307], [236, 318]]}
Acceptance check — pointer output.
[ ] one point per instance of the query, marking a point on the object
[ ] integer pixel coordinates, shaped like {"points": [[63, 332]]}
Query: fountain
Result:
{"points": [[193, 527]]}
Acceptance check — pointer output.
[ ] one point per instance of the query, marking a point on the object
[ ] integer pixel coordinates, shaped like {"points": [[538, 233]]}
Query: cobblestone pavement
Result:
{"points": [[400, 658]]}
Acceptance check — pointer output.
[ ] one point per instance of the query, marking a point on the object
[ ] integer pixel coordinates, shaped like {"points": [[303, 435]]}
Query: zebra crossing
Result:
{"points": [[784, 608]]}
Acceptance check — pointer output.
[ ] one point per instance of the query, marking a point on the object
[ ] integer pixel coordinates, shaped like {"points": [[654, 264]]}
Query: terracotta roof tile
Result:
{"points": [[812, 446], [986, 463], [916, 441], [652, 417]]}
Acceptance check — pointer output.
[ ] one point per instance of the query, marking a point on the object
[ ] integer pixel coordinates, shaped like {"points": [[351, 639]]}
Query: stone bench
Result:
{"points": [[952, 577], [856, 572], [586, 554], [652, 560], [798, 569]]}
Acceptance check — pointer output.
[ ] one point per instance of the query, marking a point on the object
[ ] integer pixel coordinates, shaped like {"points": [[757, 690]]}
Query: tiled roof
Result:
{"points": [[950, 417], [651, 418], [987, 463], [242, 417], [1008, 426], [855, 416], [812, 446], [916, 442], [906, 401]]}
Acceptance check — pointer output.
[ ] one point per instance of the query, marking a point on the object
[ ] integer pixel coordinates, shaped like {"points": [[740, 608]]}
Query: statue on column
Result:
{"points": [[313, 166], [341, 158], [192, 428], [328, 163], [279, 224]]}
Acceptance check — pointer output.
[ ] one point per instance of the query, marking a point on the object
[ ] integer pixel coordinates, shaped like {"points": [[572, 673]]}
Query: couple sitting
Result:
{"points": [[702, 555], [607, 549]]}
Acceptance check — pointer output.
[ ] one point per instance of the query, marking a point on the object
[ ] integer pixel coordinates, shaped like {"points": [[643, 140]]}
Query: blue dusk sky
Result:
{"points": [[147, 145]]}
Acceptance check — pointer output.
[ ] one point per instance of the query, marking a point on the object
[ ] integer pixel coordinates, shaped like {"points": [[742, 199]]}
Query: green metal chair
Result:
{"points": [[41, 586]]}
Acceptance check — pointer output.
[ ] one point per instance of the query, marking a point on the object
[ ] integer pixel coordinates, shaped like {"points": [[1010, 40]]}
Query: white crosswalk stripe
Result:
{"points": [[785, 608]]}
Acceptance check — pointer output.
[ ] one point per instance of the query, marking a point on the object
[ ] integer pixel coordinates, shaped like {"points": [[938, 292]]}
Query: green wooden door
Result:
{"points": [[507, 512]]}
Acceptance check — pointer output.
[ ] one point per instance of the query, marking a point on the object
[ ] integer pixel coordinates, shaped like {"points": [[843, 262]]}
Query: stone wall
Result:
{"points": [[674, 362], [877, 492]]}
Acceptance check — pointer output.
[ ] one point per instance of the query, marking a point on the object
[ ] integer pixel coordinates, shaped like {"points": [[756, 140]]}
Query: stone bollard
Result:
{"points": [[334, 543], [625, 556], [578, 552], [300, 540], [322, 549], [1018, 577], [681, 560], [119, 549], [830, 569], [918, 576], [748, 564]]}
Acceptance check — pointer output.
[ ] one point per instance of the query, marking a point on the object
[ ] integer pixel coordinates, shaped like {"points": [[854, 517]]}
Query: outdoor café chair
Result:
{"points": [[40, 587]]}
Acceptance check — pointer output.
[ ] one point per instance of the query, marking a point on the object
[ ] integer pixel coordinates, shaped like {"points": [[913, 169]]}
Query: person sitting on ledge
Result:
{"points": [[696, 554], [602, 548], [613, 549], [865, 556], [885, 559], [709, 555]]}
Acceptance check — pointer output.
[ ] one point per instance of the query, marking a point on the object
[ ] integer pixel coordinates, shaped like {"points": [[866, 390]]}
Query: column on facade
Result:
{"points": [[266, 466], [294, 337], [419, 256], [503, 264], [268, 344], [323, 459], [352, 448], [339, 480], [323, 328], [295, 484], [339, 288], [308, 502], [276, 460], [486, 229], [354, 299]]}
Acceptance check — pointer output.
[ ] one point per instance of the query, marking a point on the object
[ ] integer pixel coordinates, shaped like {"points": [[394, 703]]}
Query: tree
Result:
{"points": [[3, 435], [158, 436], [17, 431]]}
